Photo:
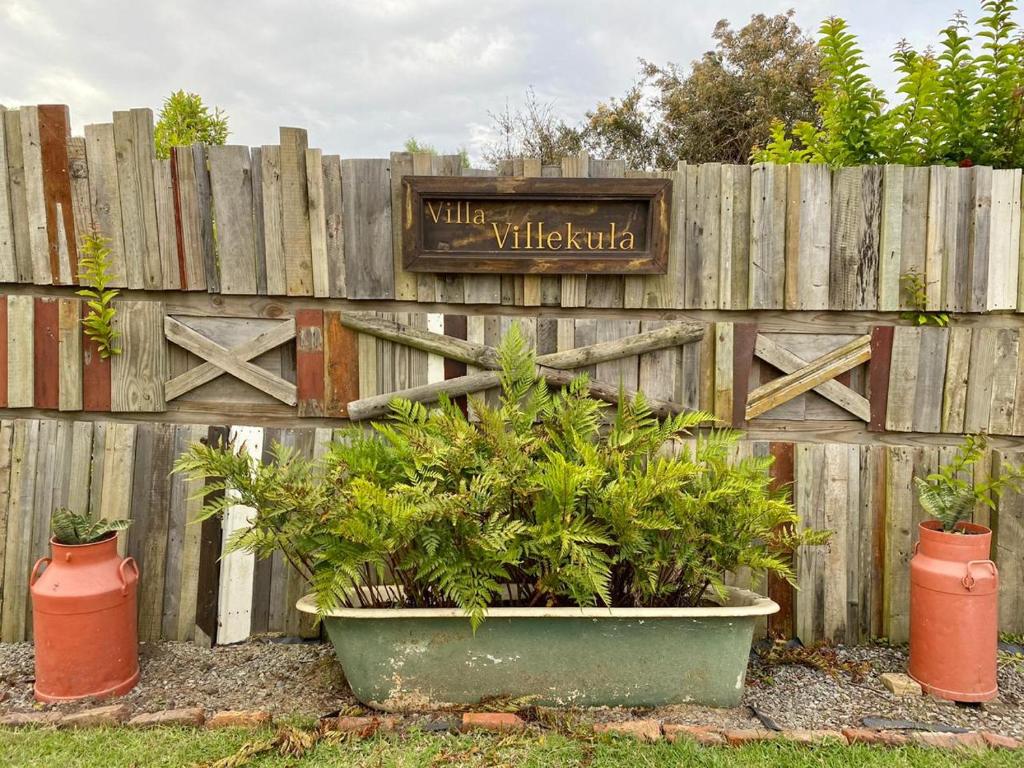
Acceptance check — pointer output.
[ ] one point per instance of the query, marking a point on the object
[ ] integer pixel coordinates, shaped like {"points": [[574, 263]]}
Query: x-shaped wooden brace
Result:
{"points": [[235, 361], [803, 376], [556, 367]]}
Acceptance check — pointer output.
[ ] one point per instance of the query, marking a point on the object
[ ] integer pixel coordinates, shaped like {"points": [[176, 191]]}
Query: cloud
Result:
{"points": [[365, 76]]}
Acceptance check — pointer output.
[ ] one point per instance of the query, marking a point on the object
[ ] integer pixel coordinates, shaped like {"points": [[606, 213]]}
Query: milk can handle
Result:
{"points": [[968, 579], [35, 570], [124, 578]]}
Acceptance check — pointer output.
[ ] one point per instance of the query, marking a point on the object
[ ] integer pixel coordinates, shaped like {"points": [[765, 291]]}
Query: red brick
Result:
{"points": [[29, 719], [190, 717], [644, 730], [996, 741], [707, 737], [876, 738], [362, 727], [740, 736], [239, 718], [115, 714], [492, 721], [811, 737]]}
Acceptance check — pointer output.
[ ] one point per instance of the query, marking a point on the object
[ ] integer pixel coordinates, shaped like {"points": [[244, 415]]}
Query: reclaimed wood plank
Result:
{"points": [[914, 226], [273, 229], [18, 195], [366, 201], [17, 556], [333, 219], [105, 196], [1008, 548], [931, 374], [1005, 371], [181, 568], [42, 501], [167, 231], [35, 197], [658, 369], [841, 482], [341, 366], [54, 132], [954, 390], [853, 272], [231, 182], [6, 431], [96, 375], [45, 353], [767, 275], [1004, 243], [20, 353], [891, 238], [81, 206], [139, 372], [298, 252], [317, 222], [574, 287], [309, 361], [405, 282], [234, 611], [259, 234], [809, 501], [204, 631], [878, 375], [906, 349], [781, 624], [723, 372], [8, 260], [131, 200], [145, 154], [808, 236], [69, 354], [979, 236], [979, 379], [117, 478], [3, 356], [192, 268]]}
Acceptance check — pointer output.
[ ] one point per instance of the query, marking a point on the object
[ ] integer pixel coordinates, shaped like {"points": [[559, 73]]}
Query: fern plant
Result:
{"points": [[94, 274], [949, 495], [72, 528], [959, 104], [549, 498]]}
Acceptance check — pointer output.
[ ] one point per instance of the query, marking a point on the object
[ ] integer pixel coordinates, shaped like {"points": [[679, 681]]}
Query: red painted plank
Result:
{"points": [[95, 375], [743, 340], [3, 351], [781, 624], [456, 326], [46, 340], [54, 130], [309, 361], [341, 366], [878, 375], [180, 237]]}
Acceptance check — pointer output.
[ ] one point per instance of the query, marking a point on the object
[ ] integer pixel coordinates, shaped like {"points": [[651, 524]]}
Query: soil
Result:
{"points": [[304, 679]]}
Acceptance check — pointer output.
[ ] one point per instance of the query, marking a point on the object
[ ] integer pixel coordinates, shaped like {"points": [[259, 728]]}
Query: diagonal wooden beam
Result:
{"points": [[180, 334], [464, 351], [780, 390], [247, 350], [832, 390]]}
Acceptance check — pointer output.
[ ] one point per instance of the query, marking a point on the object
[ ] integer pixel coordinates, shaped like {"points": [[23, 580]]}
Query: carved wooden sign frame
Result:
{"points": [[535, 225]]}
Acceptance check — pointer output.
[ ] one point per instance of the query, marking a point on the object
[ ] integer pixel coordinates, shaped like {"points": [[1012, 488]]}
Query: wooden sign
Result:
{"points": [[548, 226]]}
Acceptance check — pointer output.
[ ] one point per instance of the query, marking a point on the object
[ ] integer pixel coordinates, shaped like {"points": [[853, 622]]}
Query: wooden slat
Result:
{"points": [[979, 235], [931, 374], [19, 199], [341, 366], [20, 354], [808, 236], [45, 354], [1006, 370], [81, 206], [914, 226], [809, 501], [17, 557], [891, 238], [333, 217], [602, 290], [723, 372], [767, 275], [105, 195], [259, 235], [273, 231], [132, 200], [317, 221], [954, 394], [574, 287], [1004, 242], [309, 361], [781, 591], [405, 282], [167, 234], [204, 202], [204, 630], [298, 254], [8, 261], [54, 132], [3, 355], [878, 375], [192, 269], [980, 379], [366, 200], [846, 357], [183, 537], [658, 369], [139, 372], [856, 207], [906, 348], [1008, 548], [35, 196], [743, 341], [96, 375], [231, 182]]}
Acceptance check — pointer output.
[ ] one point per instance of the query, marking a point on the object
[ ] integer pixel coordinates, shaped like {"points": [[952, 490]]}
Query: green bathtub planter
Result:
{"points": [[399, 659]]}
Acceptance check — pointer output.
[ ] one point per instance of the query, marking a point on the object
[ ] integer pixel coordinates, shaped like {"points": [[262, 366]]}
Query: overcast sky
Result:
{"points": [[365, 76]]}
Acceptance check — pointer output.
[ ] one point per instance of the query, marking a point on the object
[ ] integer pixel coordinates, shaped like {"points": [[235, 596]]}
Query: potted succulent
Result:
{"points": [[84, 611], [954, 586], [539, 550]]}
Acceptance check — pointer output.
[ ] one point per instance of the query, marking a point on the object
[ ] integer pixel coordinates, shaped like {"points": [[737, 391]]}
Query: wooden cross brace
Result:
{"points": [[555, 367], [235, 360]]}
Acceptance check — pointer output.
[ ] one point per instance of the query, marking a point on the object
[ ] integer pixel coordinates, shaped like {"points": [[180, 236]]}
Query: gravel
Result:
{"points": [[305, 679]]}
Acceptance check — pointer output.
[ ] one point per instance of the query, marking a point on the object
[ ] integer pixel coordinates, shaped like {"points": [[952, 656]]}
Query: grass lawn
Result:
{"points": [[173, 747]]}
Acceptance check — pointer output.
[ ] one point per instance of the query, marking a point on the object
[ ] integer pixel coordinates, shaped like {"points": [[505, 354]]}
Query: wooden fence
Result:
{"points": [[296, 307]]}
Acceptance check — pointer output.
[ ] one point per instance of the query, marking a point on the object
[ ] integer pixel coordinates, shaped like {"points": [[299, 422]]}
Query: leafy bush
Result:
{"points": [[72, 528], [184, 120], [94, 274], [950, 495], [961, 105], [538, 502]]}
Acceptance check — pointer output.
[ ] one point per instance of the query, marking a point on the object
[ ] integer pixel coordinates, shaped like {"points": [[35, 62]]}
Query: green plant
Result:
{"points": [[962, 105], [915, 294], [542, 501], [950, 496], [72, 528], [185, 120], [94, 274]]}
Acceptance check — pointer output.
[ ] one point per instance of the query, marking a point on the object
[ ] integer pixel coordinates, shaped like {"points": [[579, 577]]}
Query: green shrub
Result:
{"points": [[185, 120], [540, 501], [961, 105]]}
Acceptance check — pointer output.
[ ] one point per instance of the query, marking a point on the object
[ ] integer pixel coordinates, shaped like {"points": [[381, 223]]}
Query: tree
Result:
{"points": [[963, 105], [413, 145], [184, 120], [718, 109]]}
